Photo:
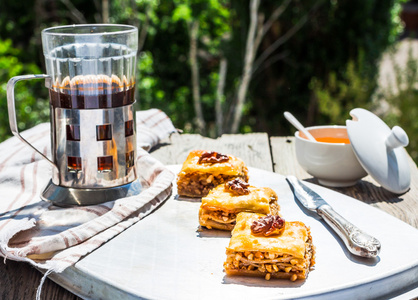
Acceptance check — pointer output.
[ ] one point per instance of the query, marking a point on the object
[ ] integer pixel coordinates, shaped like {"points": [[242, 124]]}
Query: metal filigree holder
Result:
{"points": [[93, 151]]}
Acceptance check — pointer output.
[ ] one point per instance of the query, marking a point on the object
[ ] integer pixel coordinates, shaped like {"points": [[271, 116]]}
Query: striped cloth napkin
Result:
{"points": [[54, 238]]}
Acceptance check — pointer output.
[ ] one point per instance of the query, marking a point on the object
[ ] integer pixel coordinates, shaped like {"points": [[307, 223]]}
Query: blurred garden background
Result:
{"points": [[228, 66]]}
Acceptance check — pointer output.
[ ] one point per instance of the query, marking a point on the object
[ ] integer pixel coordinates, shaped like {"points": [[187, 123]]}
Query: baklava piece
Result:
{"points": [[285, 253], [204, 170], [220, 207]]}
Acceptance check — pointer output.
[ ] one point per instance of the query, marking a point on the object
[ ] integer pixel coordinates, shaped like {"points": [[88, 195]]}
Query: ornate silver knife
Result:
{"points": [[358, 242]]}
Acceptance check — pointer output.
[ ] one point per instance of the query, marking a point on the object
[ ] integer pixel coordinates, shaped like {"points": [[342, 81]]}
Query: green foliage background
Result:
{"points": [[31, 107], [323, 71]]}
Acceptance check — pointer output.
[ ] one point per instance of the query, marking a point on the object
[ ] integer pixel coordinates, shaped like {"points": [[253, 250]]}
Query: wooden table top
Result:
{"points": [[276, 154]]}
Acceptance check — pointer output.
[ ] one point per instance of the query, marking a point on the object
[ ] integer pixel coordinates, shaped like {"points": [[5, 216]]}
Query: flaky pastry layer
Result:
{"points": [[278, 256], [196, 180], [220, 207]]}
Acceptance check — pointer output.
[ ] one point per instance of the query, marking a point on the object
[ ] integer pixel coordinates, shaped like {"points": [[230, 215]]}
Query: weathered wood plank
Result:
{"points": [[252, 148], [403, 207], [19, 280], [284, 157]]}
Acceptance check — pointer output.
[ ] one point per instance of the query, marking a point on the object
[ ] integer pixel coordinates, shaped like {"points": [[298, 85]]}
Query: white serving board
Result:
{"points": [[165, 256]]}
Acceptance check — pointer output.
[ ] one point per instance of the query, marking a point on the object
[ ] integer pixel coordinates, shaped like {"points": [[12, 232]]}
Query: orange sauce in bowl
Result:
{"points": [[334, 140]]}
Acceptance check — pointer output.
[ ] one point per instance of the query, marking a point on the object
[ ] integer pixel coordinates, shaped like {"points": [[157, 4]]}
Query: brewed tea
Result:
{"points": [[92, 92]]}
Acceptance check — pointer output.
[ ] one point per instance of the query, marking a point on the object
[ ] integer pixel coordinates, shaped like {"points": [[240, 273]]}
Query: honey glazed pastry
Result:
{"points": [[286, 253], [220, 207], [204, 170]]}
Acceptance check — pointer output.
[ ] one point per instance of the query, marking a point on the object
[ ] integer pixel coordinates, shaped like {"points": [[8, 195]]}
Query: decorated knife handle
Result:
{"points": [[358, 242]]}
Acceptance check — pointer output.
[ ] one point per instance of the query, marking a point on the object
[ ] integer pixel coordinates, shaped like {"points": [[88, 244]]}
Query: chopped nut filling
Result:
{"points": [[220, 216], [199, 184], [269, 263], [238, 187], [268, 225], [274, 207], [275, 264], [212, 157]]}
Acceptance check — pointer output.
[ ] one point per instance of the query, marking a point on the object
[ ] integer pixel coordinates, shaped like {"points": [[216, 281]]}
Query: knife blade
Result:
{"points": [[357, 241]]}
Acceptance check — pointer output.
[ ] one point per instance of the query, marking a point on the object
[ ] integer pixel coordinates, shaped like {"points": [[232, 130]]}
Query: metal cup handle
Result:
{"points": [[12, 110]]}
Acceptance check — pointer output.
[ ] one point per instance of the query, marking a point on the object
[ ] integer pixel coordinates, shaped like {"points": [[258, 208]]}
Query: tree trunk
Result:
{"points": [[247, 70], [74, 13], [105, 11], [220, 96], [194, 30], [144, 29]]}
